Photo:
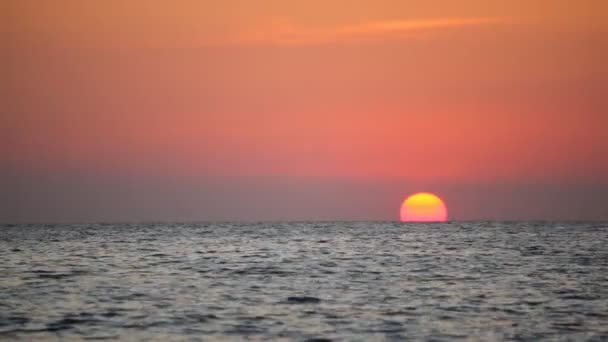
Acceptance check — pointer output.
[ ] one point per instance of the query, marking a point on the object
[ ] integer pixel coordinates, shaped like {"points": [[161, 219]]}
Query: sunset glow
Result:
{"points": [[423, 207], [318, 109]]}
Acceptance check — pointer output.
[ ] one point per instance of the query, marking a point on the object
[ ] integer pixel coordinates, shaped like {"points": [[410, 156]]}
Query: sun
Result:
{"points": [[423, 207]]}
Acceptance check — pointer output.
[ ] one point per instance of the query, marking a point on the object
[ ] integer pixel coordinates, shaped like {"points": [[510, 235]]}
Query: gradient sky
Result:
{"points": [[322, 109]]}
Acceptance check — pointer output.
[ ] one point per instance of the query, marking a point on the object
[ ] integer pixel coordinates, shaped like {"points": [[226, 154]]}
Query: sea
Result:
{"points": [[305, 281]]}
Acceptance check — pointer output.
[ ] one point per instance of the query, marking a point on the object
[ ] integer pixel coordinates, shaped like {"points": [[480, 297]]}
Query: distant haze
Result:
{"points": [[302, 110]]}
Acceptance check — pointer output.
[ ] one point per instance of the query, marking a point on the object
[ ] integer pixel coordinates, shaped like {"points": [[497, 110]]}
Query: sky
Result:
{"points": [[302, 110]]}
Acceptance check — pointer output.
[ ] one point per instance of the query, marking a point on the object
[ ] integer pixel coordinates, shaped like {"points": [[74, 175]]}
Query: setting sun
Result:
{"points": [[423, 207]]}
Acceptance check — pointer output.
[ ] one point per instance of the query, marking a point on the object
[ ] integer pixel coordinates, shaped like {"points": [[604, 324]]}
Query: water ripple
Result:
{"points": [[317, 281]]}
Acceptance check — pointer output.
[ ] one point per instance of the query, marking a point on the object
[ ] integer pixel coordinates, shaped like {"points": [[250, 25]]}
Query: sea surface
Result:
{"points": [[305, 281]]}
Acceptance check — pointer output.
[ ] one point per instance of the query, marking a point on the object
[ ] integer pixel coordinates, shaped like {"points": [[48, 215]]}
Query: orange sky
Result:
{"points": [[419, 93]]}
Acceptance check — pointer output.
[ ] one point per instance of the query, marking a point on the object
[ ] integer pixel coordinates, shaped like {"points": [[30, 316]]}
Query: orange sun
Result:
{"points": [[423, 207]]}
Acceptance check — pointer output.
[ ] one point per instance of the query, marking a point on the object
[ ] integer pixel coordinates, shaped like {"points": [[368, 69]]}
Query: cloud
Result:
{"points": [[284, 32]]}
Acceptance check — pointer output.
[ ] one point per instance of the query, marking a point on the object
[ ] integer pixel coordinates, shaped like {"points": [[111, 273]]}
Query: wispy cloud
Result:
{"points": [[284, 32]]}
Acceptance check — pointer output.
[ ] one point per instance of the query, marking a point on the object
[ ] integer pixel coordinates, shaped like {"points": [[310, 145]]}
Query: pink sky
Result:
{"points": [[230, 109]]}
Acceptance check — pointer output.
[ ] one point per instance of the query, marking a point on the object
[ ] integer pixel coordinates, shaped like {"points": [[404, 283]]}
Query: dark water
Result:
{"points": [[300, 281]]}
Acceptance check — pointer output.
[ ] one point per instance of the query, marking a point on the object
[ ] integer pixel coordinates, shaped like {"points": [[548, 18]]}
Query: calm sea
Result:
{"points": [[305, 281]]}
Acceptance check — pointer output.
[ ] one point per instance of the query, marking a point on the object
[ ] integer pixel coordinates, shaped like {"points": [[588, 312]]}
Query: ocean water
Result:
{"points": [[305, 281]]}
